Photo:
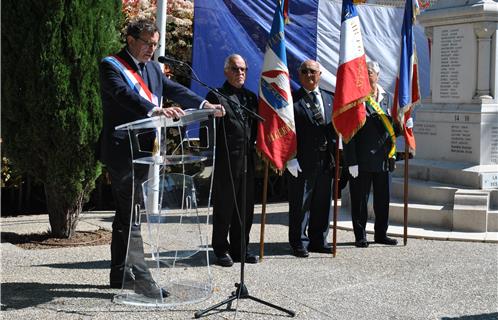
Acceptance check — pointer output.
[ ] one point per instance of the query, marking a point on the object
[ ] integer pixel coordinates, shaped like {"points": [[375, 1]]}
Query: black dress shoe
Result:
{"points": [[386, 240], [250, 258], [150, 289], [324, 249], [363, 243], [300, 252], [224, 260]]}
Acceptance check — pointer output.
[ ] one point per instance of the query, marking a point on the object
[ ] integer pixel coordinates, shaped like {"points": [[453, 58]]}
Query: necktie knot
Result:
{"points": [[314, 97], [141, 67]]}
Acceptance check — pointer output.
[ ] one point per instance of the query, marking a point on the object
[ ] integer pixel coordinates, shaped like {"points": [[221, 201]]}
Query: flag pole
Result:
{"points": [[405, 197], [263, 214], [336, 195]]}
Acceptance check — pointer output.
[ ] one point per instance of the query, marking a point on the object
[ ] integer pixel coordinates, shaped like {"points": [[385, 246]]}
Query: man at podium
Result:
{"points": [[131, 89]]}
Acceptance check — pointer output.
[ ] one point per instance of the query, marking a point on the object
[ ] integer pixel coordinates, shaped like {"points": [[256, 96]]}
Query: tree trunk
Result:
{"points": [[63, 213]]}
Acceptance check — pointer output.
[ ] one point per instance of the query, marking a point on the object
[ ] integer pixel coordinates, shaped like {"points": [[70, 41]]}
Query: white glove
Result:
{"points": [[353, 171], [293, 167], [409, 123], [206, 172]]}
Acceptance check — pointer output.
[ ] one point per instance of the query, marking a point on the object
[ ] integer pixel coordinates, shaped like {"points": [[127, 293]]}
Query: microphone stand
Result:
{"points": [[241, 291]]}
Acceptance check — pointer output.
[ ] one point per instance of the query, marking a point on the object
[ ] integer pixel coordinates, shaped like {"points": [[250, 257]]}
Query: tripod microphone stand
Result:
{"points": [[241, 291]]}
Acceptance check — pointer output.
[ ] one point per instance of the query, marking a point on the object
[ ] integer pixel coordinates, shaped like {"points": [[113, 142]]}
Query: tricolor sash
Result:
{"points": [[133, 79], [385, 121]]}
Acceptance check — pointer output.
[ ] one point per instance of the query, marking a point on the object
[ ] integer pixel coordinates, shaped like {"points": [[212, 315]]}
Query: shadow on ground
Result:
{"points": [[20, 295]]}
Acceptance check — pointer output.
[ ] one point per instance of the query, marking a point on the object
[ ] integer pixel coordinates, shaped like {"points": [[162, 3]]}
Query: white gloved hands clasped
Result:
{"points": [[353, 171], [409, 123], [293, 167]]}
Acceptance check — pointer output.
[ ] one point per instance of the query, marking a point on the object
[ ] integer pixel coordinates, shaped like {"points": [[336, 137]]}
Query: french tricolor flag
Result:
{"points": [[407, 92], [352, 85], [276, 139]]}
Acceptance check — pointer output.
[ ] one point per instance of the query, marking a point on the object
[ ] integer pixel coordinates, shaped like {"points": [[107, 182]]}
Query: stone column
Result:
{"points": [[484, 31]]}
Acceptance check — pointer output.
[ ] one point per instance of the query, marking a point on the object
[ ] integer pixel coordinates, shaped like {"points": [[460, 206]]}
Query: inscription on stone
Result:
{"points": [[489, 180], [451, 45], [493, 157], [460, 137], [454, 60], [427, 129]]}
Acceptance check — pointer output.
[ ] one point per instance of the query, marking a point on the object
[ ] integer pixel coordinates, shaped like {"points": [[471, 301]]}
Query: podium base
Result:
{"points": [[180, 294]]}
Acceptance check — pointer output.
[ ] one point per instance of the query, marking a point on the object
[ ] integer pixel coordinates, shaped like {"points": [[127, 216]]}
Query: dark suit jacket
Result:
{"points": [[370, 146], [311, 135], [236, 135], [122, 104]]}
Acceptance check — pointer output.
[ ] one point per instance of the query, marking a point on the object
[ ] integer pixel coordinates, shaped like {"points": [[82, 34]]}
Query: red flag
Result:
{"points": [[352, 86], [407, 92]]}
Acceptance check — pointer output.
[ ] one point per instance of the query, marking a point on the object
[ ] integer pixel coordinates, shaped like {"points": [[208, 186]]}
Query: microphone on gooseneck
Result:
{"points": [[166, 59]]}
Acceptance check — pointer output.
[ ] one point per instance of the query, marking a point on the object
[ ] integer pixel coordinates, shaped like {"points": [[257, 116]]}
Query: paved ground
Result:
{"points": [[427, 279]]}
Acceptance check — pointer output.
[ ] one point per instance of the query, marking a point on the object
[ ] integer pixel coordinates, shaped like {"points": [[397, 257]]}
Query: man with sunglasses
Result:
{"points": [[311, 172], [131, 88], [236, 133]]}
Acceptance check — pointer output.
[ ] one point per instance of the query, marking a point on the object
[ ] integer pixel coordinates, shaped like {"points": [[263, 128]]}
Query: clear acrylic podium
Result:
{"points": [[172, 207]]}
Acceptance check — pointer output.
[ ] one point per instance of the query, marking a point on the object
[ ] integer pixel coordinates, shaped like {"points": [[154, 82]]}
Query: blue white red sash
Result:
{"points": [[133, 79]]}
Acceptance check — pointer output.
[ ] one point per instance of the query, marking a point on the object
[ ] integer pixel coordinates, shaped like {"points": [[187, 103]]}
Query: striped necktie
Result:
{"points": [[315, 108]]}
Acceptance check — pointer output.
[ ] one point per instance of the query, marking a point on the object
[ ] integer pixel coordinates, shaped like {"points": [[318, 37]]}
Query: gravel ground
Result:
{"points": [[426, 279]]}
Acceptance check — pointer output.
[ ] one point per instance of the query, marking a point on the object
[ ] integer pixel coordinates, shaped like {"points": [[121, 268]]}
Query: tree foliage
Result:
{"points": [[179, 23], [51, 108]]}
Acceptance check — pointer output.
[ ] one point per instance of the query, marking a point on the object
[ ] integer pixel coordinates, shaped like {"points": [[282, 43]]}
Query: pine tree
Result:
{"points": [[51, 108]]}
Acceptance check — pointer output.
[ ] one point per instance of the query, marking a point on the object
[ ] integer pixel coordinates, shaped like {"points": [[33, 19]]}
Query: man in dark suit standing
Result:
{"points": [[131, 87], [236, 134], [311, 172], [369, 156]]}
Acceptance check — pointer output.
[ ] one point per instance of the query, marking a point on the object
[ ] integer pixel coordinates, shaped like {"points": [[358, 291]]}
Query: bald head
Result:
{"points": [[309, 74]]}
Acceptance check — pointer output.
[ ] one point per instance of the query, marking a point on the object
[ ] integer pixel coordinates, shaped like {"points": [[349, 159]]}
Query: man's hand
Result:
{"points": [[171, 112], [353, 171], [293, 167], [220, 111]]}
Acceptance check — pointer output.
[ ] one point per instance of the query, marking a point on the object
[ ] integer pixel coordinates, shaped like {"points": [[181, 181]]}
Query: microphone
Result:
{"points": [[166, 59]]}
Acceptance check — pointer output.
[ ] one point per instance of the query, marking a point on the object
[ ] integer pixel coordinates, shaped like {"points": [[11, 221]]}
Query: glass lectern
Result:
{"points": [[172, 207]]}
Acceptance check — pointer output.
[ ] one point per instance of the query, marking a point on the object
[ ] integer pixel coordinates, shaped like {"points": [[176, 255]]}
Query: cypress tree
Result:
{"points": [[51, 108]]}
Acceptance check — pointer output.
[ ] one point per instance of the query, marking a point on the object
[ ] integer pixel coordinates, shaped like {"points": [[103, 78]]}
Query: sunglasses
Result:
{"points": [[241, 69], [310, 71]]}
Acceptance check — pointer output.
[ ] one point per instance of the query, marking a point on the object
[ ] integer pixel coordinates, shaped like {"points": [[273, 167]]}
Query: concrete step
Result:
{"points": [[452, 173], [439, 216], [428, 192]]}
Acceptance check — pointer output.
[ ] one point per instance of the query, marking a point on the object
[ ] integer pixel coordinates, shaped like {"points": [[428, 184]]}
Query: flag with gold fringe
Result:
{"points": [[352, 87], [276, 140], [407, 92]]}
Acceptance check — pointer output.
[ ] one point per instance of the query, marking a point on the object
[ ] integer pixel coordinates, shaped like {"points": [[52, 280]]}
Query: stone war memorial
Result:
{"points": [[454, 175]]}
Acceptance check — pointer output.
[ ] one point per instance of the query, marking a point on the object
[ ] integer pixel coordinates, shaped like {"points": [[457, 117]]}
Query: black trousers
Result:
{"points": [[226, 219], [310, 197], [126, 233], [359, 188]]}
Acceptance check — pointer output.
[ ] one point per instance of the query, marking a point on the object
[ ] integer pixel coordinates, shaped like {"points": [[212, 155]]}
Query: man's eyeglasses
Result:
{"points": [[310, 71], [150, 44], [241, 69]]}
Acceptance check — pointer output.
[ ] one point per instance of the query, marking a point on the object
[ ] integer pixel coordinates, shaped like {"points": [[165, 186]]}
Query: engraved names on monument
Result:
{"points": [[493, 144], [453, 135], [454, 56]]}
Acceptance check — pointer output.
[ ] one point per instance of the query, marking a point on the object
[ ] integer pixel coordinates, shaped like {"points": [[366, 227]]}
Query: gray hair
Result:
{"points": [[301, 66], [373, 65], [230, 58]]}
